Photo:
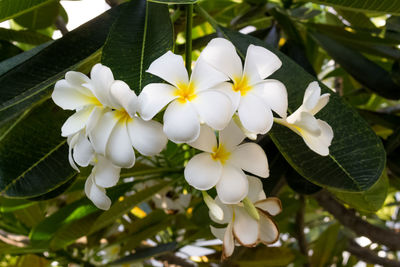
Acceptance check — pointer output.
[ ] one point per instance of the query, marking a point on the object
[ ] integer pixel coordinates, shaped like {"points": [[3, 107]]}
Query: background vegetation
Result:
{"points": [[337, 210]]}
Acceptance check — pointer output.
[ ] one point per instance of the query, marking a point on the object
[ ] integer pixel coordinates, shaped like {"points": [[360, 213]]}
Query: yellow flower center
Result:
{"points": [[241, 85], [220, 153], [122, 116], [94, 101], [185, 92]]}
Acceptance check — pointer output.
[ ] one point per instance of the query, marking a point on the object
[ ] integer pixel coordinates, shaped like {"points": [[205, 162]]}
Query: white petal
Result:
{"points": [[229, 244], [97, 194], [233, 186], [323, 100], [245, 228], [71, 97], [231, 136], [214, 108], [202, 172], [311, 96], [255, 115], [221, 54], [250, 157], [119, 146], [77, 79], [272, 205], [94, 117], [206, 141], [226, 88], [260, 63], [181, 122], [274, 93], [147, 137], [170, 67], [269, 233], [218, 232], [226, 210], [76, 122], [72, 140], [105, 173], [306, 122], [153, 98], [215, 211], [101, 132], [125, 97], [101, 80], [83, 151], [319, 144], [205, 76], [256, 191]]}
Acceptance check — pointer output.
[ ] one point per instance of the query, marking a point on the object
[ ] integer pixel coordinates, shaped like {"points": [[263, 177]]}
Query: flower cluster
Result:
{"points": [[213, 111]]}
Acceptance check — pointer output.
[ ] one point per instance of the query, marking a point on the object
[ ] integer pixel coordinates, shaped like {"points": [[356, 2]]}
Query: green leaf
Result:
{"points": [[265, 256], [356, 19], [8, 205], [33, 155], [32, 81], [370, 200], [357, 157], [324, 246], [362, 69], [11, 63], [24, 36], [77, 210], [8, 50], [141, 254], [13, 8], [41, 17], [121, 207], [382, 6], [140, 35], [174, 1]]}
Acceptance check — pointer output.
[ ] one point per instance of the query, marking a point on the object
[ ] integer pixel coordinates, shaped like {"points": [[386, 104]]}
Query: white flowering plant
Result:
{"points": [[151, 141]]}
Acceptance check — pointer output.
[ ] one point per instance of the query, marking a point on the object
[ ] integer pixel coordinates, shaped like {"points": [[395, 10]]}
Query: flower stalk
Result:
{"points": [[188, 36]]}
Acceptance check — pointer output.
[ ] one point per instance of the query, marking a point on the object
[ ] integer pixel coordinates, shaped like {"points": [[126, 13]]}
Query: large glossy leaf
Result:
{"points": [[33, 155], [356, 157], [13, 8], [362, 69], [41, 17], [32, 81], [384, 6], [24, 36], [370, 200], [140, 35]]}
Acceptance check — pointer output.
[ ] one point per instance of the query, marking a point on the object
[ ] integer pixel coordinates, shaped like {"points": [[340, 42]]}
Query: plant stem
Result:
{"points": [[188, 52]]}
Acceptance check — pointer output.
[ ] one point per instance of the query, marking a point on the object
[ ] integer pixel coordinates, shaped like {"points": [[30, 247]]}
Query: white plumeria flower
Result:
{"points": [[192, 100], [242, 228], [104, 174], [316, 133], [118, 128], [252, 96], [222, 163]]}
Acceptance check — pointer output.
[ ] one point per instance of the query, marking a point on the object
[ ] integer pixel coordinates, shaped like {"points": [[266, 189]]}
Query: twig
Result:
{"points": [[61, 25], [301, 239], [368, 256], [348, 218]]}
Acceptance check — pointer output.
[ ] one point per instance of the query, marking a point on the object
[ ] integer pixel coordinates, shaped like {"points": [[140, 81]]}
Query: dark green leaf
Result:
{"points": [[362, 69], [41, 17], [13, 8], [299, 184], [383, 6], [32, 81], [370, 200], [8, 50], [356, 157], [33, 155], [264, 256], [356, 19], [55, 192], [140, 35], [24, 36]]}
